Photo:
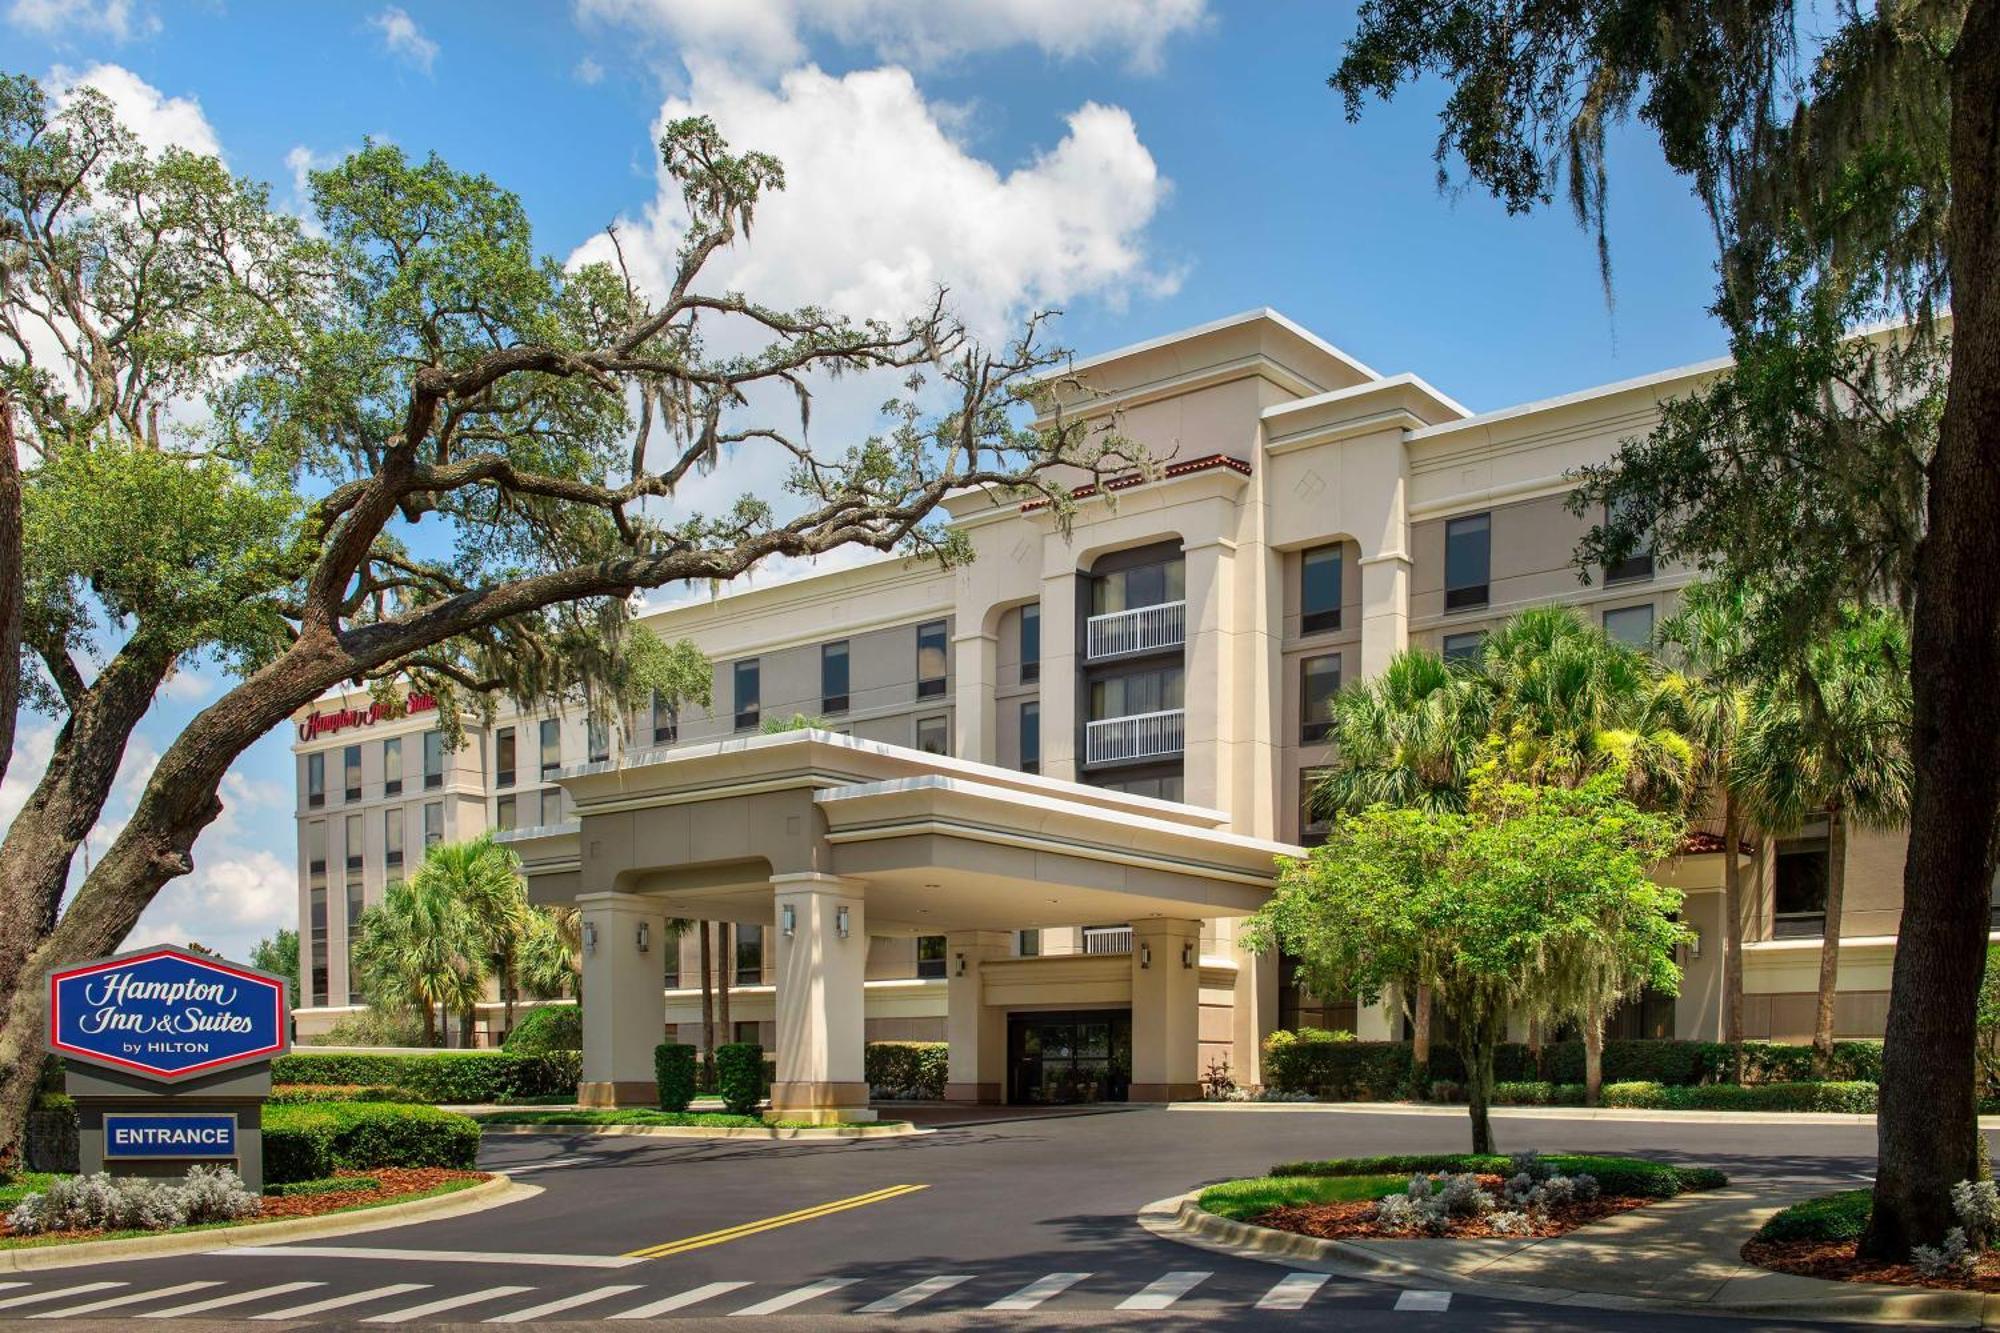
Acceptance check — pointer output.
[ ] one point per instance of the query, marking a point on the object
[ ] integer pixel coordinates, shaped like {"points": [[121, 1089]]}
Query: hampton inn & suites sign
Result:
{"points": [[340, 719]]}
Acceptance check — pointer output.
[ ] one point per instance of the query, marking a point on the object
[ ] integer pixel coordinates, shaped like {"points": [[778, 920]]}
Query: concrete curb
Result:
{"points": [[1180, 1219], [824, 1133], [494, 1193], [1552, 1113]]}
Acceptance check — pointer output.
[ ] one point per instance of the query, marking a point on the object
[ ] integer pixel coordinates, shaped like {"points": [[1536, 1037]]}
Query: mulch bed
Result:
{"points": [[1836, 1261], [1356, 1220], [392, 1183]]}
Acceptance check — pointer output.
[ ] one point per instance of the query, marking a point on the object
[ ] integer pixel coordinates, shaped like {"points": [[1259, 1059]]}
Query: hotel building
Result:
{"points": [[1056, 778]]}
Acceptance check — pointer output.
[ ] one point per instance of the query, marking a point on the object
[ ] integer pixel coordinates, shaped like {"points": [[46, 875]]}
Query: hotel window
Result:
{"points": [[1156, 690], [930, 955], [666, 721], [930, 659], [1028, 943], [1031, 643], [1031, 737], [433, 824], [392, 767], [1142, 585], [1319, 681], [749, 688], [1637, 565], [316, 908], [352, 843], [392, 844], [670, 962], [315, 780], [932, 737], [748, 1033], [504, 814], [1319, 590], [1464, 647], [550, 739], [1799, 876], [1630, 625], [833, 677], [749, 955], [503, 757], [356, 903], [1468, 561], [597, 735], [1314, 821], [350, 772], [1167, 787], [433, 760]]}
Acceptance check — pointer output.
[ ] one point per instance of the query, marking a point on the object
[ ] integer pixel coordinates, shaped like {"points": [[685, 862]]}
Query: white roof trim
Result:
{"points": [[1658, 377], [1373, 386], [1216, 326]]}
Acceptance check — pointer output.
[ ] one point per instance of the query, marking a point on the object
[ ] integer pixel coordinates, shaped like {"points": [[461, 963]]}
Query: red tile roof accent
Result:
{"points": [[1180, 469], [1700, 842]]}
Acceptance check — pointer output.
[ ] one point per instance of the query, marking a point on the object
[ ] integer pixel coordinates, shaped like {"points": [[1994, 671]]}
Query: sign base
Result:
{"points": [[131, 1126]]}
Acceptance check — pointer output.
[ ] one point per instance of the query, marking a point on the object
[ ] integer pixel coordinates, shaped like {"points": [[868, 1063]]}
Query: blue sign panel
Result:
{"points": [[167, 1014], [130, 1136]]}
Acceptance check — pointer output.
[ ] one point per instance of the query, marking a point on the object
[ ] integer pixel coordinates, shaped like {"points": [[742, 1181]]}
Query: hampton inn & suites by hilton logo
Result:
{"points": [[166, 1013]]}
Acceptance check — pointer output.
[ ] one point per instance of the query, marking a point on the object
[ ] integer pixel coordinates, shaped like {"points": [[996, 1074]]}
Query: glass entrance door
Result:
{"points": [[1066, 1058]]}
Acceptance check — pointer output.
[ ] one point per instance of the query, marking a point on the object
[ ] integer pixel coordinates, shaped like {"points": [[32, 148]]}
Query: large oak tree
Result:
{"points": [[394, 445]]}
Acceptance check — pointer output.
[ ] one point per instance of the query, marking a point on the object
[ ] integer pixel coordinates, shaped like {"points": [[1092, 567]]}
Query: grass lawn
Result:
{"points": [[24, 1184], [1247, 1200], [31, 1242], [1841, 1216], [644, 1116]]}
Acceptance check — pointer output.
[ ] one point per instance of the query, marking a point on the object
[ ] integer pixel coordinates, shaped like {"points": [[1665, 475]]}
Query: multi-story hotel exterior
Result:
{"points": [[1056, 778]]}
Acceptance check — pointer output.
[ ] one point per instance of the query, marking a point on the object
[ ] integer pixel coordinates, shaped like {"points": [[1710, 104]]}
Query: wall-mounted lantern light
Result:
{"points": [[1145, 955], [961, 964], [590, 937], [840, 921], [788, 920], [643, 937], [1187, 957]]}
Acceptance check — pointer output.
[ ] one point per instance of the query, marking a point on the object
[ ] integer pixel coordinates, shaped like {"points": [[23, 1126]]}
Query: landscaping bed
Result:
{"points": [[1817, 1238]]}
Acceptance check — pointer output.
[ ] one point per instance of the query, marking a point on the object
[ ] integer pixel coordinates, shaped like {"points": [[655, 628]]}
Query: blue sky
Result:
{"points": [[1143, 164]]}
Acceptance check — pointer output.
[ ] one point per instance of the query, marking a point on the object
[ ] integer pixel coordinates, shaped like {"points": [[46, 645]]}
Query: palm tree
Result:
{"points": [[550, 949], [1708, 687], [486, 878], [1830, 737], [419, 948]]}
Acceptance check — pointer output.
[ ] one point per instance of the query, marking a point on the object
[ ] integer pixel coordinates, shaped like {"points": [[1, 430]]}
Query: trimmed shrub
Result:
{"points": [[1842, 1216], [51, 1134], [302, 1094], [906, 1070], [1368, 1071], [1853, 1097], [1630, 1177], [326, 1185], [674, 1073], [443, 1078], [551, 1028], [1537, 1093], [308, 1142], [373, 1026], [100, 1203], [739, 1075]]}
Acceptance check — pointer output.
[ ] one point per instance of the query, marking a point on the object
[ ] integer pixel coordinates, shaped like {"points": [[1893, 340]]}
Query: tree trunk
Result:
{"points": [[724, 974], [430, 1024], [707, 1003], [11, 588], [1420, 1044], [1732, 930], [1829, 948], [1478, 1050], [1535, 1051], [1593, 1052], [465, 1033], [1927, 1129]]}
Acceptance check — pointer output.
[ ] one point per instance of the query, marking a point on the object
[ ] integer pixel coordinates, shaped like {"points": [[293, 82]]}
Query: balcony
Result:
{"points": [[1143, 629], [1140, 736], [1107, 939]]}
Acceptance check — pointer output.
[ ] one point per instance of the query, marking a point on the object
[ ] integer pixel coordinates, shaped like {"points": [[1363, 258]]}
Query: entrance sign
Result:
{"points": [[167, 1014], [203, 1137]]}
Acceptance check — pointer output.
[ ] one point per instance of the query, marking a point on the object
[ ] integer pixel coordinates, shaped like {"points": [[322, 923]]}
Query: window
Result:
{"points": [[392, 843], [930, 955], [552, 807], [1464, 647], [551, 745], [1799, 882], [1319, 590], [350, 772], [1142, 585], [433, 824], [315, 780], [670, 962], [930, 659], [356, 904], [932, 737], [351, 840], [433, 760], [504, 814], [316, 908], [597, 735], [749, 955], [1631, 625], [833, 677], [1314, 820], [748, 1033], [666, 721], [749, 685], [1156, 690], [1031, 643], [1028, 943], [1637, 565], [1167, 787], [1468, 561], [1319, 681], [392, 767], [503, 757], [1031, 737]]}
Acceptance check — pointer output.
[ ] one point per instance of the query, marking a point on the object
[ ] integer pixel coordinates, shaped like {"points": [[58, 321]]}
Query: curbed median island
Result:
{"points": [[1819, 1237]]}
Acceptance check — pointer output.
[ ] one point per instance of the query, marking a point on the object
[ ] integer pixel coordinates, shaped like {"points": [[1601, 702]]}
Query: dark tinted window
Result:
{"points": [[433, 760], [1637, 565], [551, 740], [503, 757], [1319, 681], [930, 659], [350, 769], [1468, 560], [930, 955], [1799, 897], [833, 677], [933, 737], [749, 955], [1463, 647], [1031, 643], [749, 690], [1319, 590], [1031, 737]]}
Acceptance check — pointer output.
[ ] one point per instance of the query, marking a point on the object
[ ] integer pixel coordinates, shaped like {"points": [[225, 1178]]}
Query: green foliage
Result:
{"points": [[371, 1027], [326, 1185], [309, 1142], [739, 1075], [906, 1070], [631, 1115], [445, 1078], [1853, 1097], [1842, 1216], [777, 726], [539, 1031], [674, 1073], [1629, 1177], [1537, 1092], [420, 949], [299, 1094], [280, 954], [1989, 1024], [551, 959], [1248, 1200]]}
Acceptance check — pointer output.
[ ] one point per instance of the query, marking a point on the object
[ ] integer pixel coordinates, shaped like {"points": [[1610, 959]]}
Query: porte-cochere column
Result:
{"points": [[822, 961], [623, 934]]}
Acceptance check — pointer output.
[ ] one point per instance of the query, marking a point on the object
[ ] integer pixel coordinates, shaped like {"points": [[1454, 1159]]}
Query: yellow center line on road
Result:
{"points": [[674, 1247]]}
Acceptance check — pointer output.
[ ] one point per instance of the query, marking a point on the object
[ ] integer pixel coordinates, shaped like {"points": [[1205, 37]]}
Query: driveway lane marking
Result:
{"points": [[1163, 1292], [563, 1303], [752, 1228], [682, 1301], [35, 1296], [404, 1316], [131, 1298], [433, 1256], [1292, 1291], [910, 1295], [1431, 1302], [1028, 1297], [811, 1291], [240, 1298], [342, 1302]]}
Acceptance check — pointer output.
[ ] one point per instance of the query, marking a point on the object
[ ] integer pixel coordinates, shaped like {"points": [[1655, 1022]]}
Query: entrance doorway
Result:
{"points": [[1065, 1058]]}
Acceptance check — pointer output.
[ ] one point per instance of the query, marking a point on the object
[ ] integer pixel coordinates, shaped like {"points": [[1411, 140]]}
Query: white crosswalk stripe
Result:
{"points": [[342, 1302], [681, 1301], [1431, 1302], [238, 1298], [811, 1291], [5, 1285], [1163, 1292], [130, 1298], [439, 1306], [563, 1303], [1041, 1289], [37, 1297], [910, 1295], [1292, 1291]]}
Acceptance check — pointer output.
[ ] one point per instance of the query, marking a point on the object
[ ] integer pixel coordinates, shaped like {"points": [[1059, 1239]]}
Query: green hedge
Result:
{"points": [[552, 1028], [739, 1075], [1632, 1177], [1535, 1093], [325, 1185], [906, 1070], [674, 1074], [1842, 1216], [1858, 1098], [447, 1077], [311, 1142], [304, 1094]]}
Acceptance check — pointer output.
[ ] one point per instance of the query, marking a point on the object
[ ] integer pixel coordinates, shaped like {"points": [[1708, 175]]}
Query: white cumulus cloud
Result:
{"points": [[159, 121], [120, 20], [404, 39]]}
